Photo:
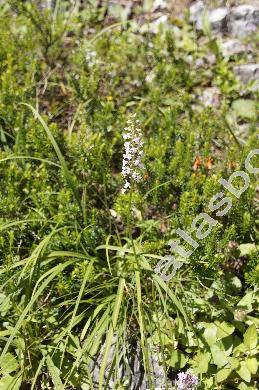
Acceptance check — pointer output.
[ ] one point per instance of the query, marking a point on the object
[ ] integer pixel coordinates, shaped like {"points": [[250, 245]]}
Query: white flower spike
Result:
{"points": [[132, 158]]}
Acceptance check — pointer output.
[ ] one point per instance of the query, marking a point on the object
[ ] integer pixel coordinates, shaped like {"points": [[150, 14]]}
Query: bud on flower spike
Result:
{"points": [[132, 157]]}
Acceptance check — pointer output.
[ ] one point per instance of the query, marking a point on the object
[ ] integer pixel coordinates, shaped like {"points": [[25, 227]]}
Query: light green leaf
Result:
{"points": [[157, 339], [219, 357], [5, 304], [243, 372], [177, 360], [227, 344], [252, 365], [242, 386], [236, 282], [244, 108], [224, 329], [250, 337], [9, 364], [234, 363], [209, 383], [223, 374], [9, 382], [247, 301], [202, 362], [210, 334], [247, 249]]}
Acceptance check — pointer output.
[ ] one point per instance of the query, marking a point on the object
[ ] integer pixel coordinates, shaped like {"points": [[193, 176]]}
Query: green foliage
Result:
{"points": [[77, 255]]}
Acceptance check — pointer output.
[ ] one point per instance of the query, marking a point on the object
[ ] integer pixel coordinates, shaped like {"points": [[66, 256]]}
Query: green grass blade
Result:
{"points": [[54, 374], [37, 373], [55, 271], [71, 323], [111, 331], [141, 325], [172, 296], [30, 158], [67, 174]]}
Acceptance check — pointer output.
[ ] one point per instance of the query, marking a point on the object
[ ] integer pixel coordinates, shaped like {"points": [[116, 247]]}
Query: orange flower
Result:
{"points": [[197, 163], [208, 163]]}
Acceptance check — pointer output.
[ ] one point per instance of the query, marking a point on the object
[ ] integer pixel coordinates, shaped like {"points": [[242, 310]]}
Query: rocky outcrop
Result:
{"points": [[238, 21], [231, 47], [130, 369], [248, 73], [243, 20]]}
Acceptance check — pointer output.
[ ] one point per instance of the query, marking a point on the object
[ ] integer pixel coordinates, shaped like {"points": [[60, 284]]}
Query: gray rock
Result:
{"points": [[210, 97], [211, 59], [247, 73], [241, 29], [130, 371], [196, 10], [231, 47], [218, 19], [159, 5], [47, 4], [243, 20], [199, 63], [155, 26], [245, 12], [242, 131]]}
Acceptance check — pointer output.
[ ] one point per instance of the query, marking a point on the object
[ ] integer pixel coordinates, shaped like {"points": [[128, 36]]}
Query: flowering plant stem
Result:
{"points": [[138, 287]]}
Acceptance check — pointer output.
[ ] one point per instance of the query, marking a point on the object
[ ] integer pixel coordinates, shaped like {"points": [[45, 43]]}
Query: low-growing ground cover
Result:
{"points": [[80, 298]]}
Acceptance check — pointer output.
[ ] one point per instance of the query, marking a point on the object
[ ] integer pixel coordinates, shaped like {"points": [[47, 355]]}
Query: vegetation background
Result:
{"points": [[80, 304]]}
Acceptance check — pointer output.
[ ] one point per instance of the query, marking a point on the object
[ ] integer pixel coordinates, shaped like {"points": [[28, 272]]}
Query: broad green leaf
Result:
{"points": [[9, 365], [157, 339], [242, 386], [244, 108], [192, 340], [252, 365], [240, 348], [224, 329], [247, 249], [9, 382], [177, 360], [223, 374], [219, 357], [234, 363], [5, 306], [210, 334], [247, 301], [209, 383], [243, 372], [250, 337], [235, 282], [227, 344], [202, 362]]}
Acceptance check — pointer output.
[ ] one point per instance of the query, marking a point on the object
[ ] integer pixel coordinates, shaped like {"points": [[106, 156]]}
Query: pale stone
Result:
{"points": [[231, 47], [247, 73]]}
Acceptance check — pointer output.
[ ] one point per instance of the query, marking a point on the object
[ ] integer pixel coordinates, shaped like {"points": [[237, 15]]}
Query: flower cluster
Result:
{"points": [[132, 158], [186, 381]]}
